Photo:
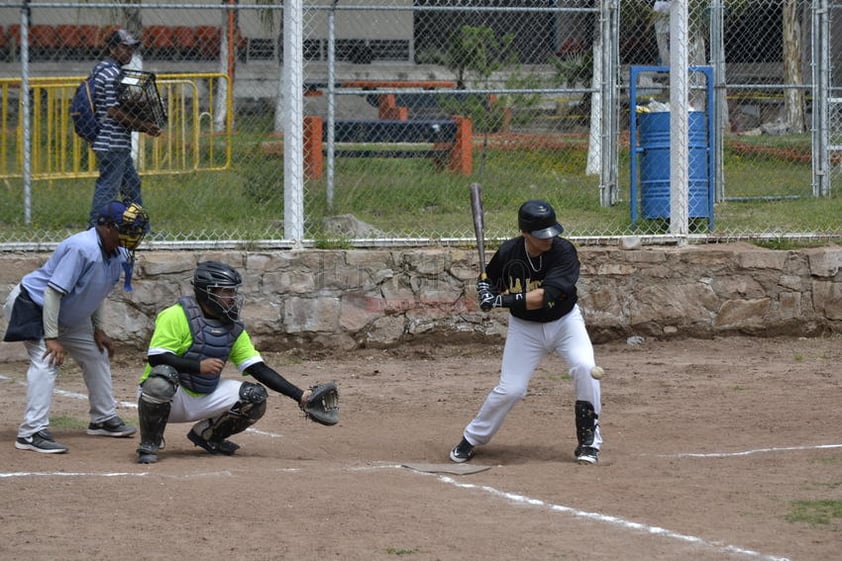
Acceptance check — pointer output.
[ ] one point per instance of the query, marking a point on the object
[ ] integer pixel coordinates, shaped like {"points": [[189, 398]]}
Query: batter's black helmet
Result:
{"points": [[210, 275], [538, 218]]}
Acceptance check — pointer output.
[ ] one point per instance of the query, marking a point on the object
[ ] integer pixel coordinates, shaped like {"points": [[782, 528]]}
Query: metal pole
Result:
{"points": [[331, 102], [820, 65], [596, 135], [230, 34], [679, 119], [720, 103], [609, 191], [294, 125], [25, 108]]}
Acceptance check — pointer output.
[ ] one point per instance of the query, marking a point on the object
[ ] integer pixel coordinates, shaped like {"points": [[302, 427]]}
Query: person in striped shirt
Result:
{"points": [[118, 178]]}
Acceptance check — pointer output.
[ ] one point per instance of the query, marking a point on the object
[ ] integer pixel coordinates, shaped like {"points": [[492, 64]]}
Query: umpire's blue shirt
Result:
{"points": [[81, 271]]}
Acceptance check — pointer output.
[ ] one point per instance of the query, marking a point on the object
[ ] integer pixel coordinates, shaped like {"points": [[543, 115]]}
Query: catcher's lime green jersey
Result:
{"points": [[172, 335]]}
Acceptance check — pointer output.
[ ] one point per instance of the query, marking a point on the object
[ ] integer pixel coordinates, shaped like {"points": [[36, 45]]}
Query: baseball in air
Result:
{"points": [[597, 372]]}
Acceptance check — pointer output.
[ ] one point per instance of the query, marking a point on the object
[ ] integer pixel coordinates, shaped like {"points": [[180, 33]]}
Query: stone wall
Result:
{"points": [[351, 298]]}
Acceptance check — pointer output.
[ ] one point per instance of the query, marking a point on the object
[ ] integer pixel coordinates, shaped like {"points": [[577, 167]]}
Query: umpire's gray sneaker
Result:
{"points": [[42, 441], [111, 427]]}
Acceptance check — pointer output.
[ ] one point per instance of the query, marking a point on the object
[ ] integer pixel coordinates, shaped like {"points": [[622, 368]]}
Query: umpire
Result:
{"points": [[534, 275], [57, 310]]}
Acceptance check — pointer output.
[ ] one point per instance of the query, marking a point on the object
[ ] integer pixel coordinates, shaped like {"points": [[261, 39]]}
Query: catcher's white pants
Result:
{"points": [[527, 343], [79, 343], [188, 408]]}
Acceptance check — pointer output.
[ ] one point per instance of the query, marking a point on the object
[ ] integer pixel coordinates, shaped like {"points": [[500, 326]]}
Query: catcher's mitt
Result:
{"points": [[323, 405]]}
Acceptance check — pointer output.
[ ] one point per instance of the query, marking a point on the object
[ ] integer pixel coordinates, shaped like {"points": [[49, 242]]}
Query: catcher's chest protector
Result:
{"points": [[211, 339]]}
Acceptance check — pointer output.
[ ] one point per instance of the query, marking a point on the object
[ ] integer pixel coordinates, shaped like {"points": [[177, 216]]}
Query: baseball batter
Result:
{"points": [[534, 276]]}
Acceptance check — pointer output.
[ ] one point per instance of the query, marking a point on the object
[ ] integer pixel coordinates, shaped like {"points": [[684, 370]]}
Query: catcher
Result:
{"points": [[190, 345]]}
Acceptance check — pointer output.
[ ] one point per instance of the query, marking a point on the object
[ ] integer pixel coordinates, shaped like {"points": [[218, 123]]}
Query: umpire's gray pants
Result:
{"points": [[41, 376]]}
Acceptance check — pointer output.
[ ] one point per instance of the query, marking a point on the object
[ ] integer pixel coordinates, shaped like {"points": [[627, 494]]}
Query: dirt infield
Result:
{"points": [[708, 447]]}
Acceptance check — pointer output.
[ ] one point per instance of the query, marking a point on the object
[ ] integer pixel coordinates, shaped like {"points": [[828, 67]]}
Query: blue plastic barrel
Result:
{"points": [[654, 130]]}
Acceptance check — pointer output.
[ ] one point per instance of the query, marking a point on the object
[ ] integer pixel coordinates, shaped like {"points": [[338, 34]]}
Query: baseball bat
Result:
{"points": [[479, 224]]}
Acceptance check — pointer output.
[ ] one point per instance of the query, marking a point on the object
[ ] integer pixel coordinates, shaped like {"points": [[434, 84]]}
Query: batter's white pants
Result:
{"points": [[527, 343], [79, 344]]}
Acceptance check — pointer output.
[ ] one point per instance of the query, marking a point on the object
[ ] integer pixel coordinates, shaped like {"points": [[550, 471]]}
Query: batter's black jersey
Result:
{"points": [[556, 271]]}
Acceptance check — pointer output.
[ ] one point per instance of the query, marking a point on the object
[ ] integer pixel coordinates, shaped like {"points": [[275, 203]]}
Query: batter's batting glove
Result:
{"points": [[506, 301], [485, 295]]}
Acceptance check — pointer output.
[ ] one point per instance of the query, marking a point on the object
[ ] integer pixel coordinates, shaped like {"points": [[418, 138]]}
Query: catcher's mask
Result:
{"points": [[537, 217], [131, 222], [216, 286]]}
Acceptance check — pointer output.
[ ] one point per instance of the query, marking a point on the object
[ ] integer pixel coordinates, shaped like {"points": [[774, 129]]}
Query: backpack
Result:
{"points": [[83, 111]]}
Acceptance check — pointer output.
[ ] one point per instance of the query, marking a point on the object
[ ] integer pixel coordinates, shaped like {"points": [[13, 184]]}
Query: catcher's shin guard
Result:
{"points": [[153, 409], [242, 415], [153, 421]]}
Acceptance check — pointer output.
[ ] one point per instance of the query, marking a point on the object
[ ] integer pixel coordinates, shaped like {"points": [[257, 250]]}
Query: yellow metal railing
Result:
{"points": [[189, 143]]}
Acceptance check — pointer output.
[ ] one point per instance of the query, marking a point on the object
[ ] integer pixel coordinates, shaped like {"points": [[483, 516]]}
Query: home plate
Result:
{"points": [[453, 469]]}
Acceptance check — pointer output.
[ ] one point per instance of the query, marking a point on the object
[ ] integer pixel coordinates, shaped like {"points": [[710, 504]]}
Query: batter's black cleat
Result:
{"points": [[226, 447], [462, 452], [586, 455]]}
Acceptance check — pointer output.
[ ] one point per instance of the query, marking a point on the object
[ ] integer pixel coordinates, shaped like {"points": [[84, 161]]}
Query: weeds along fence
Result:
{"points": [[363, 122]]}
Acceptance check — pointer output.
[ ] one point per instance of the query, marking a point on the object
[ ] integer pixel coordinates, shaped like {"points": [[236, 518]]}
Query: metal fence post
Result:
{"points": [[821, 89], [293, 151]]}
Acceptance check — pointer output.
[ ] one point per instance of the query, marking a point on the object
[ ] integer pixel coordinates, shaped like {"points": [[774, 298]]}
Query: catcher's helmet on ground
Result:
{"points": [[537, 217], [208, 279]]}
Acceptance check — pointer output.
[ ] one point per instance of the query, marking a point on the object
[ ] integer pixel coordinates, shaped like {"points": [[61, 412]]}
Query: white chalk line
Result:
{"points": [[511, 497], [113, 474], [750, 452], [614, 520], [596, 516]]}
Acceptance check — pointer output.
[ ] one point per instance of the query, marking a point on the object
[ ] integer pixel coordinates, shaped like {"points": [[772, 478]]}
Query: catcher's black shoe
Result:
{"points": [[146, 456], [587, 455], [462, 452], [226, 447], [147, 452]]}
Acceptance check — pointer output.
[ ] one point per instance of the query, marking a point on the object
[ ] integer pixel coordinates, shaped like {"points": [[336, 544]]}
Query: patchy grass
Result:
{"points": [[789, 244], [400, 551], [815, 513], [67, 423]]}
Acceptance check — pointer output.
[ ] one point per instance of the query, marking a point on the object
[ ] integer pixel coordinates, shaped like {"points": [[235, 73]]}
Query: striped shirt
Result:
{"points": [[112, 135]]}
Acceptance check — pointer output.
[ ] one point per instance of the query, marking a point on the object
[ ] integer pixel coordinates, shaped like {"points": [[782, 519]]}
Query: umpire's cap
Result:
{"points": [[537, 217]]}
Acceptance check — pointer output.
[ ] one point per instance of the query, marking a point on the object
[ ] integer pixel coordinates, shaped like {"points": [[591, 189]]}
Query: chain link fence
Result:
{"points": [[405, 103]]}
